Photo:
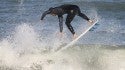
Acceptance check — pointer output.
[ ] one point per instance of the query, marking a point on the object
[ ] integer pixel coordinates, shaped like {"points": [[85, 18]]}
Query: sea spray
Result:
{"points": [[25, 39], [23, 54], [7, 54], [23, 51]]}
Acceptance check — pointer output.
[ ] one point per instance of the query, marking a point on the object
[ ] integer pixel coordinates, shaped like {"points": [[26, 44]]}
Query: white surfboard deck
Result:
{"points": [[75, 40]]}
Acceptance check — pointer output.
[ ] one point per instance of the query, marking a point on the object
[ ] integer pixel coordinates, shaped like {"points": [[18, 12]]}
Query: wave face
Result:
{"points": [[80, 57]]}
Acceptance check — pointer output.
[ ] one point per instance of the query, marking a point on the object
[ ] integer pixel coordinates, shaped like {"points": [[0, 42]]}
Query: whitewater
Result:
{"points": [[27, 43]]}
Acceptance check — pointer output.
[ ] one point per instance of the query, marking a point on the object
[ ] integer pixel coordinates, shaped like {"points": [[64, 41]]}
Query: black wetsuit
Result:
{"points": [[70, 10]]}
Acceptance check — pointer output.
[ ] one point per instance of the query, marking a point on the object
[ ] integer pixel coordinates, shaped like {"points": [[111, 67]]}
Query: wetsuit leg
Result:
{"points": [[61, 23], [68, 21]]}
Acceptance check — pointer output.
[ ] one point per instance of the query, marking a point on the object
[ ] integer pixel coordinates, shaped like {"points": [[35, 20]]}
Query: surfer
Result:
{"points": [[71, 11]]}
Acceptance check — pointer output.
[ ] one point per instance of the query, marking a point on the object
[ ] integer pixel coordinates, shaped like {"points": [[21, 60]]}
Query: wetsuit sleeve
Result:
{"points": [[61, 23], [44, 14], [83, 16]]}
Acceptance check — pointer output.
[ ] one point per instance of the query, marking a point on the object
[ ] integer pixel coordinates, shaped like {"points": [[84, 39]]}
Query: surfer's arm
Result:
{"points": [[60, 22], [44, 14], [84, 16]]}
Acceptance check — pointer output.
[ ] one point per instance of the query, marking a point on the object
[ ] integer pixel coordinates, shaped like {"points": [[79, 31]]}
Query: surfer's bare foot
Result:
{"points": [[42, 21], [74, 36], [60, 34]]}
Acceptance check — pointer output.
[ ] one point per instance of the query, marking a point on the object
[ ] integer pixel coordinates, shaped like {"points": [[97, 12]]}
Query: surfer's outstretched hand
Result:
{"points": [[90, 22], [74, 36]]}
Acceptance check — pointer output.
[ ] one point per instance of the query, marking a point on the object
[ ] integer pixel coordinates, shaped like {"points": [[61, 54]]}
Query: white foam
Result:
{"points": [[25, 41]]}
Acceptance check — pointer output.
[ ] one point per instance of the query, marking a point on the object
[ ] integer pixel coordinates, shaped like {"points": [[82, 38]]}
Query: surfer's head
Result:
{"points": [[53, 11]]}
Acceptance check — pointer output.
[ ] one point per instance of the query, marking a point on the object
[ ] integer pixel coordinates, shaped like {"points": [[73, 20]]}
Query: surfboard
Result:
{"points": [[75, 40]]}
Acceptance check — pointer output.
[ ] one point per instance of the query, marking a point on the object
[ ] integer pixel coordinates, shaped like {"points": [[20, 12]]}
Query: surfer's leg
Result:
{"points": [[60, 23], [68, 21]]}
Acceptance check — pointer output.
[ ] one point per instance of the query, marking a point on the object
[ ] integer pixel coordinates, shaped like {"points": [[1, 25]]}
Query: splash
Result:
{"points": [[24, 52], [26, 39]]}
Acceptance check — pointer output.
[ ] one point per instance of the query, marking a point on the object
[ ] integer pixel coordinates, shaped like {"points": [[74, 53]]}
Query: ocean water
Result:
{"points": [[27, 43]]}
